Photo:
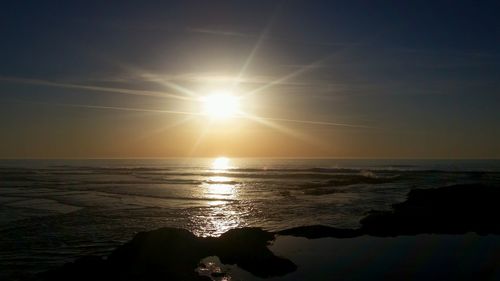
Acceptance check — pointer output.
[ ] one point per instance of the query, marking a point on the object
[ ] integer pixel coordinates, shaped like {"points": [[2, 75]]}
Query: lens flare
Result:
{"points": [[220, 105]]}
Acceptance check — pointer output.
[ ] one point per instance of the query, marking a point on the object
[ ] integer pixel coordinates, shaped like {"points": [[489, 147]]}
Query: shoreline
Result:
{"points": [[174, 254]]}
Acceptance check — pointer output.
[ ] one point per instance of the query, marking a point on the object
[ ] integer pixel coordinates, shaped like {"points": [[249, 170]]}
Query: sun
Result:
{"points": [[220, 105]]}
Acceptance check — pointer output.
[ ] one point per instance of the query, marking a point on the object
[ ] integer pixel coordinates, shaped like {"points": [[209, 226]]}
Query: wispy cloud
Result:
{"points": [[266, 119], [41, 82], [105, 107], [219, 32], [232, 33]]}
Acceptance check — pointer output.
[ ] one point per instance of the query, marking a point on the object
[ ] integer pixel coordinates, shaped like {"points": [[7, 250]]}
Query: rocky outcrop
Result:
{"points": [[173, 254], [320, 231], [455, 209]]}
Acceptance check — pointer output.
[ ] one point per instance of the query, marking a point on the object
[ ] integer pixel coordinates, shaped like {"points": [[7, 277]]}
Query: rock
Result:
{"points": [[248, 249], [453, 209], [218, 274], [173, 254], [320, 231]]}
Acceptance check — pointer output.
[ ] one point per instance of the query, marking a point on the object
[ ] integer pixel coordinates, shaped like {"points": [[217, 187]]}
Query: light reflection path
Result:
{"points": [[222, 212]]}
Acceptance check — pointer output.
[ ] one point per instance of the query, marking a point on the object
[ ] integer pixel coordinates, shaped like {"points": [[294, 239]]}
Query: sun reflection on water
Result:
{"points": [[221, 164], [219, 190], [218, 219], [222, 211]]}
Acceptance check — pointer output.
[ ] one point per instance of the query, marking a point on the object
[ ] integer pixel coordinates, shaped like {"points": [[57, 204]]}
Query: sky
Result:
{"points": [[330, 79]]}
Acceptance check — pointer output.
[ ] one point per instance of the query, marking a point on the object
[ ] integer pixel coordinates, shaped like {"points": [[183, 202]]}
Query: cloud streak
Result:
{"points": [[41, 82], [243, 116]]}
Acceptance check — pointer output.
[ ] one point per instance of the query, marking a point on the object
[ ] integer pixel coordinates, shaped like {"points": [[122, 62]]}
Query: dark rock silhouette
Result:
{"points": [[173, 254], [320, 231], [455, 209]]}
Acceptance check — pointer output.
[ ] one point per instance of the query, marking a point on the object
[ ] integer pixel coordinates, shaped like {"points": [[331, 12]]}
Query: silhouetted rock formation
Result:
{"points": [[448, 210], [173, 254], [320, 231], [453, 209]]}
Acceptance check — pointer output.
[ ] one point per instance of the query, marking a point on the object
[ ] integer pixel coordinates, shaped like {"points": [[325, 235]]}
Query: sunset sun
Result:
{"points": [[220, 105]]}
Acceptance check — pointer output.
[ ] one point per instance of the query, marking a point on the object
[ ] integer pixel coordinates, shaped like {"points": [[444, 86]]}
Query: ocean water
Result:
{"points": [[53, 211]]}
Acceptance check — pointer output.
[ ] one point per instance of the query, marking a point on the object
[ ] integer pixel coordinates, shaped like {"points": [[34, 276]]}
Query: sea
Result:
{"points": [[53, 211]]}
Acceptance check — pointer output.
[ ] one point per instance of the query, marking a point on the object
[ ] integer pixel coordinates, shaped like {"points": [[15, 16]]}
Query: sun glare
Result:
{"points": [[220, 105], [220, 163]]}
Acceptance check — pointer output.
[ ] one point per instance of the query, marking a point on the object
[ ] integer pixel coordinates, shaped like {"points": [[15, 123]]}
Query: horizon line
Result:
{"points": [[246, 157]]}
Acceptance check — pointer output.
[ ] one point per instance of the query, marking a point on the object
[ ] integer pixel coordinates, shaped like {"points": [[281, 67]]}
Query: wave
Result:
{"points": [[345, 180], [321, 177], [206, 171]]}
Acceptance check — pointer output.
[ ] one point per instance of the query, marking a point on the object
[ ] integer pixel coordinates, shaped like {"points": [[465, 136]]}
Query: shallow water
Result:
{"points": [[420, 257], [53, 211]]}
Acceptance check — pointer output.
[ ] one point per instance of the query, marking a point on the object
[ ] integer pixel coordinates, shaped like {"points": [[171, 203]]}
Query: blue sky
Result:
{"points": [[415, 79]]}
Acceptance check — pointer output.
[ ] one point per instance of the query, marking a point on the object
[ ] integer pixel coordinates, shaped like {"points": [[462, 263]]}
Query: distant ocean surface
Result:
{"points": [[53, 211]]}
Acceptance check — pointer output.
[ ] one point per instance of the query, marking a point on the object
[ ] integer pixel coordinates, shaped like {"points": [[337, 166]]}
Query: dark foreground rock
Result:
{"points": [[173, 254], [320, 231], [455, 209]]}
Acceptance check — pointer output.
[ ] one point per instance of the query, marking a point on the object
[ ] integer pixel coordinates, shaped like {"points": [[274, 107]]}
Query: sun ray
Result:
{"points": [[109, 107], [152, 77], [164, 82], [298, 72], [200, 138], [263, 35], [277, 127], [94, 88], [250, 57], [313, 122], [241, 114], [165, 128]]}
